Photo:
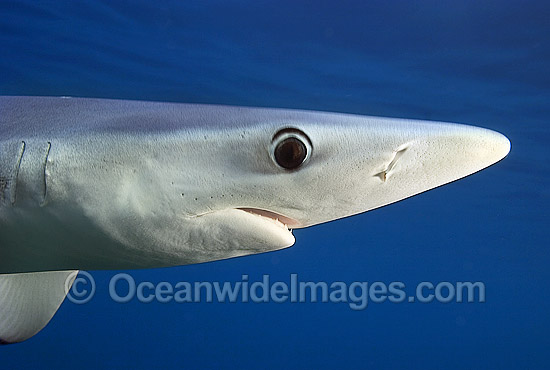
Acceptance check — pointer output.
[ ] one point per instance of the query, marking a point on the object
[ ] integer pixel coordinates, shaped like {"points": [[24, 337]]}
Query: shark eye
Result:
{"points": [[290, 148]]}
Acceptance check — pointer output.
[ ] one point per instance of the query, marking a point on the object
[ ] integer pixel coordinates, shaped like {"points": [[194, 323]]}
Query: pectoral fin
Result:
{"points": [[28, 302]]}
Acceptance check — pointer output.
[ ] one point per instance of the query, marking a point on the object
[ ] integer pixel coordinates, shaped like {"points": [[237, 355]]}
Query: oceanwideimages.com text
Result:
{"points": [[123, 288]]}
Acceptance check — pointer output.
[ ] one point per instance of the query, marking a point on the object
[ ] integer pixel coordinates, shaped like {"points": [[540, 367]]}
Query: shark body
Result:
{"points": [[112, 184]]}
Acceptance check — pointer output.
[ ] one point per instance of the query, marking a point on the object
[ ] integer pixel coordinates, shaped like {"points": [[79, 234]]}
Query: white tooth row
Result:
{"points": [[277, 222]]}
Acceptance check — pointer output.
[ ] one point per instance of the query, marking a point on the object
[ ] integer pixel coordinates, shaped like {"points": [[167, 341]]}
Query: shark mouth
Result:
{"points": [[284, 221]]}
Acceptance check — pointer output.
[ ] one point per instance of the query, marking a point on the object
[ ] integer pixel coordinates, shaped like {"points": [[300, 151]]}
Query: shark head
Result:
{"points": [[142, 184], [107, 184], [282, 170]]}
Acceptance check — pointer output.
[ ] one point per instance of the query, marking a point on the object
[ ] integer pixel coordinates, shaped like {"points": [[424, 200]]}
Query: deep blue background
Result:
{"points": [[480, 62]]}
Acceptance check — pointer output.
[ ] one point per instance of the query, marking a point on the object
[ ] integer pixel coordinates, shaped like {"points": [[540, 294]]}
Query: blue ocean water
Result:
{"points": [[484, 63]]}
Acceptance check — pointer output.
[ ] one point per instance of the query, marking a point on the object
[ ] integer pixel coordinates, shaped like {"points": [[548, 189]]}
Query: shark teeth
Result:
{"points": [[265, 216], [281, 220]]}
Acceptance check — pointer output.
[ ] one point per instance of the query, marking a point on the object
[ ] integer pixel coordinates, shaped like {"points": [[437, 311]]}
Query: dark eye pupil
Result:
{"points": [[290, 153]]}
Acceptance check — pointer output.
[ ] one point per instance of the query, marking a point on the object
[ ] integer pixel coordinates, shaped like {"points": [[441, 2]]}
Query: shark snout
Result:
{"points": [[387, 161], [497, 144], [477, 148], [443, 154], [454, 152]]}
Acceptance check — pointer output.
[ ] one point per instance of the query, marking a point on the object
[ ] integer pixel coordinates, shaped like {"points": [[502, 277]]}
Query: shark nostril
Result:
{"points": [[383, 175]]}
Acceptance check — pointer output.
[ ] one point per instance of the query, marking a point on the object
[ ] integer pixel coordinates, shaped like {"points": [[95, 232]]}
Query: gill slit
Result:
{"points": [[43, 203], [16, 175]]}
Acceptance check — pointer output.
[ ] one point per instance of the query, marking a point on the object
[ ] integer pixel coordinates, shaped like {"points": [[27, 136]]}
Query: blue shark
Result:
{"points": [[112, 184]]}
